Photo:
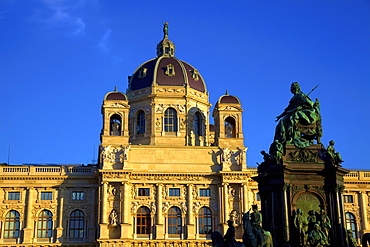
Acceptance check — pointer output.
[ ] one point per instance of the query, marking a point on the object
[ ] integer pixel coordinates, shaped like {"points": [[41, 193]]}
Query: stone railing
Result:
{"points": [[357, 175], [50, 170]]}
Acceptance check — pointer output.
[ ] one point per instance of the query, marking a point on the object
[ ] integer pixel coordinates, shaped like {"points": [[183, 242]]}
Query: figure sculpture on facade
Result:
{"points": [[324, 223], [300, 225], [113, 218], [311, 219], [335, 157], [300, 123], [316, 238]]}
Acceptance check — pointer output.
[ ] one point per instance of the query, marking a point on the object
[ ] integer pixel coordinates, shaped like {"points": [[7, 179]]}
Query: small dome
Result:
{"points": [[115, 96], [228, 99]]}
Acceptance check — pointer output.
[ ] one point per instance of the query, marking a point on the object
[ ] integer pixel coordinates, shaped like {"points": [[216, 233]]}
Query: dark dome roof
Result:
{"points": [[155, 71], [228, 99], [115, 96]]}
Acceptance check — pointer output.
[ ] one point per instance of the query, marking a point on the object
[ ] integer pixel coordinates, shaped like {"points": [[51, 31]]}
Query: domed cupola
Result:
{"points": [[166, 70], [168, 101]]}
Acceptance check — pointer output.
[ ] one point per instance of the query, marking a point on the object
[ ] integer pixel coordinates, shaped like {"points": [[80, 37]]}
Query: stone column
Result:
{"points": [[61, 196], [363, 206], [104, 209], [126, 226], [245, 198], [159, 226], [191, 226], [28, 231], [225, 199]]}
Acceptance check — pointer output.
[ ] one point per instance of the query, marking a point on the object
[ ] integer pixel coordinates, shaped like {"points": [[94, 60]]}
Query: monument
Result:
{"points": [[301, 181]]}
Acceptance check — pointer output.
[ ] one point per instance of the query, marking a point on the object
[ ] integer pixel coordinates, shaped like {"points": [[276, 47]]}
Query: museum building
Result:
{"points": [[166, 176]]}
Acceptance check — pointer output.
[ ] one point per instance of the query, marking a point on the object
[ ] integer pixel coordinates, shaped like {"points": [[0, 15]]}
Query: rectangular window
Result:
{"points": [[204, 192], [348, 198], [78, 195], [174, 192], [14, 195], [144, 192], [47, 195]]}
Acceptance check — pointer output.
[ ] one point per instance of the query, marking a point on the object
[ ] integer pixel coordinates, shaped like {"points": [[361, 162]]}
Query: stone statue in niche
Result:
{"points": [[113, 218], [234, 215], [115, 128]]}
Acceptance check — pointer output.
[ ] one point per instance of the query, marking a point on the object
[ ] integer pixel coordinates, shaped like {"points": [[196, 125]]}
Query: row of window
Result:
{"points": [[77, 223], [44, 226], [174, 192], [46, 195], [174, 221]]}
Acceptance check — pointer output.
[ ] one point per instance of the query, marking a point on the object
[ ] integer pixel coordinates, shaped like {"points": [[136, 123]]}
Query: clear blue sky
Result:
{"points": [[59, 58]]}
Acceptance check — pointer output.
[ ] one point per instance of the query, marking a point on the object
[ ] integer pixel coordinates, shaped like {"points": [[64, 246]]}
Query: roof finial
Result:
{"points": [[165, 30], [115, 89], [227, 92]]}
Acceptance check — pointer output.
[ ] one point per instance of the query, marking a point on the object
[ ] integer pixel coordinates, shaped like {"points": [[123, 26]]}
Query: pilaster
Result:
{"points": [[59, 233], [363, 213], [159, 227], [28, 231], [191, 225], [104, 210], [126, 226]]}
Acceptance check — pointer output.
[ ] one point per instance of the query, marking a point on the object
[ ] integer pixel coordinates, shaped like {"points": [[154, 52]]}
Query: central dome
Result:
{"points": [[166, 70]]}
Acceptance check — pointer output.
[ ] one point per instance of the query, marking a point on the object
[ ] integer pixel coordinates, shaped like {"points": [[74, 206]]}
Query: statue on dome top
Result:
{"points": [[165, 29]]}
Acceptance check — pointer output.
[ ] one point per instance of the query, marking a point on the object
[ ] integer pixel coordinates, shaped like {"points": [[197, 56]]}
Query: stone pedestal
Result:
{"points": [[305, 180]]}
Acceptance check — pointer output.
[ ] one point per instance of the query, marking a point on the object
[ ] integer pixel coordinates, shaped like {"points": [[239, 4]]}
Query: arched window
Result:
{"points": [[115, 125], [230, 127], [170, 120], [198, 130], [140, 123], [205, 221], [143, 223], [174, 221], [351, 224], [45, 224], [11, 228], [77, 224]]}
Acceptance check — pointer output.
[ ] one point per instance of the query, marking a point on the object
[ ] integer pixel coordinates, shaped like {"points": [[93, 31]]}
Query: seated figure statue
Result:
{"points": [[300, 123]]}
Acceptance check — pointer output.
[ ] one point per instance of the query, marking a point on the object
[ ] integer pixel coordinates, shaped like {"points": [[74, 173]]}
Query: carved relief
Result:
{"points": [[196, 206], [183, 207], [170, 90], [303, 155], [165, 207], [134, 207], [117, 105], [114, 154], [160, 107]]}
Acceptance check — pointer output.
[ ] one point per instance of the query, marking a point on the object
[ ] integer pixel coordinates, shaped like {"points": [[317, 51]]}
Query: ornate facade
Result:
{"points": [[165, 176]]}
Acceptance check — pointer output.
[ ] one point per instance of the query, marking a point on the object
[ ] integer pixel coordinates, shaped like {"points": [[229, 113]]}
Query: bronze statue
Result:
{"points": [[299, 124], [335, 157], [316, 238], [254, 235], [300, 225], [165, 29], [324, 223], [229, 237]]}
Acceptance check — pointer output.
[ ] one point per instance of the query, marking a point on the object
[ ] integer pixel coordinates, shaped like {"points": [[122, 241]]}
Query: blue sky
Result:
{"points": [[60, 57]]}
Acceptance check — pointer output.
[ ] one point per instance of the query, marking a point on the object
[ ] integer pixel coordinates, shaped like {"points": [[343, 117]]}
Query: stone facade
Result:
{"points": [[165, 176]]}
